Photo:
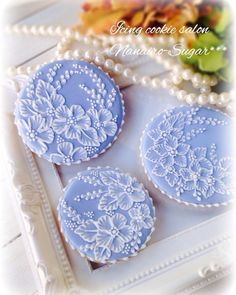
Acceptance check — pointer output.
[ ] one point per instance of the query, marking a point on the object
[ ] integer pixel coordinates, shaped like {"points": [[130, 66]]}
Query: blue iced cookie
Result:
{"points": [[69, 111], [106, 215], [186, 153]]}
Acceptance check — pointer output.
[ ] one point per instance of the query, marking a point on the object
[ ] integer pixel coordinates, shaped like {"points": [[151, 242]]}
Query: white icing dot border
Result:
{"points": [[144, 245], [96, 154], [216, 205]]}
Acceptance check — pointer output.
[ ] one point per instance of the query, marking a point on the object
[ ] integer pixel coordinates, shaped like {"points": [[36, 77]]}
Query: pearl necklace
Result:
{"points": [[178, 72]]}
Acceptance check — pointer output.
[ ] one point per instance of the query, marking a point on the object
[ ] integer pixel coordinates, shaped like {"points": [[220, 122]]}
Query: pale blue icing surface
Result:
{"points": [[105, 214], [187, 154], [69, 111]]}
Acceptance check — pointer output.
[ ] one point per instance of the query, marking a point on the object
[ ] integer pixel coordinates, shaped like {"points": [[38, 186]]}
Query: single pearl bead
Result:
{"points": [[156, 83], [120, 39], [99, 59], [197, 85], [109, 64], [213, 98], [11, 71], [61, 46], [162, 40], [205, 89], [118, 68], [166, 83], [34, 30], [42, 30], [136, 79], [213, 81], [87, 40], [96, 43], [58, 30], [77, 54], [191, 98], [57, 53], [68, 32], [139, 39], [181, 94], [28, 70], [25, 29], [20, 70], [197, 78], [37, 67], [230, 107], [16, 29], [187, 74], [224, 97], [167, 64], [202, 99], [89, 54], [220, 104], [171, 40], [129, 38], [177, 69], [50, 30], [145, 80], [77, 36], [68, 54], [177, 79], [206, 80], [173, 90], [127, 73]]}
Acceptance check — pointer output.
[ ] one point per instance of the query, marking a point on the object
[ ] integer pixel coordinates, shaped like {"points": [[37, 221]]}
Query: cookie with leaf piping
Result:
{"points": [[187, 154], [106, 215], [69, 111]]}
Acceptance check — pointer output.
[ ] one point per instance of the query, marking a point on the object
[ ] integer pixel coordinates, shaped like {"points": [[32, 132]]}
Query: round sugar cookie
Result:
{"points": [[106, 215], [69, 111], [187, 154]]}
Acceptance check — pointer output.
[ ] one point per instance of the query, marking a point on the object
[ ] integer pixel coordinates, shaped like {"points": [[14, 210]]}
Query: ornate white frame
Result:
{"points": [[205, 259]]}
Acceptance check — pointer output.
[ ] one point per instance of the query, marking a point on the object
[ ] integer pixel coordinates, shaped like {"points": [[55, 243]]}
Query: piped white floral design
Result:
{"points": [[186, 168], [110, 232], [102, 121], [75, 124], [37, 133], [140, 217], [91, 124], [122, 192], [68, 155]]}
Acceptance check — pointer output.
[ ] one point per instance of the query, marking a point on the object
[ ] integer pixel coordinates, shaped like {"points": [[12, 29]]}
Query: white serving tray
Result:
{"points": [[190, 248]]}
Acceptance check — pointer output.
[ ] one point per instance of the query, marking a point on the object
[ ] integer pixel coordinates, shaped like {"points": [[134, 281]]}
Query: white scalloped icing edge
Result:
{"points": [[115, 260], [103, 150], [215, 205]]}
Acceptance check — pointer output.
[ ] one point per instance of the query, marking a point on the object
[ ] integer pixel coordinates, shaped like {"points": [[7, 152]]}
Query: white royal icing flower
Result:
{"points": [[67, 154], [196, 177], [102, 121], [48, 108], [140, 217], [108, 233], [75, 124], [113, 232], [215, 182], [172, 152], [37, 133], [123, 191], [168, 128]]}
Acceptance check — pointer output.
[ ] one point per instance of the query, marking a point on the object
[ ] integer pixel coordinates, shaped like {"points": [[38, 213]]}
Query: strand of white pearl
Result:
{"points": [[221, 100], [205, 97], [201, 81]]}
